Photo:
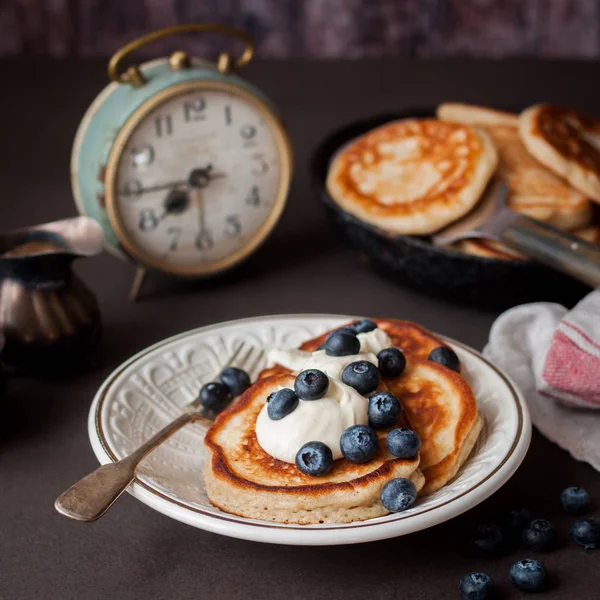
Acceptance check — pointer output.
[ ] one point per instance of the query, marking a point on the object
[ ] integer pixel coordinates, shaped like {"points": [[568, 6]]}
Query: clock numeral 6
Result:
{"points": [[193, 109], [204, 240], [163, 125], [253, 196], [234, 226], [148, 220]]}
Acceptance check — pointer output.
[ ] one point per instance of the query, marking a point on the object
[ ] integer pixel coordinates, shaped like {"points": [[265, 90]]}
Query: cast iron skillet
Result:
{"points": [[445, 273]]}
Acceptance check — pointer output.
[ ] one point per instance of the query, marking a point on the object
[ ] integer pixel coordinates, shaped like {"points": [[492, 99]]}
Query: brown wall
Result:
{"points": [[315, 28]]}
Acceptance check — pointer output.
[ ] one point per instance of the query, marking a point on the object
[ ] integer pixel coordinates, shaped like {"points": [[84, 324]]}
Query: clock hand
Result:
{"points": [[203, 239], [153, 188], [201, 177]]}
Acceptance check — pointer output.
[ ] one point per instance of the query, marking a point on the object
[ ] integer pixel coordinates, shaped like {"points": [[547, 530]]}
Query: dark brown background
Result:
{"points": [[313, 28], [134, 552]]}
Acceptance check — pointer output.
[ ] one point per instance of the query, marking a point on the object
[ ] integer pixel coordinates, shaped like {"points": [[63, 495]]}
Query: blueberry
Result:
{"points": [[476, 586], [311, 384], [574, 500], [516, 520], [314, 458], [362, 375], [359, 444], [341, 343], [236, 380], [391, 362], [403, 443], [445, 356], [214, 396], [364, 326], [586, 533], [539, 535], [487, 539], [528, 575], [384, 410], [281, 403], [398, 494]]}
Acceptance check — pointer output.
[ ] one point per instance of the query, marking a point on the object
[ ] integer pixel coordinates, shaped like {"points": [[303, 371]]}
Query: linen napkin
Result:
{"points": [[553, 355]]}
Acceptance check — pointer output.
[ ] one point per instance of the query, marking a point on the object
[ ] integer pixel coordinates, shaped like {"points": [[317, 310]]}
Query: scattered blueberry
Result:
{"points": [[237, 380], [311, 384], [445, 356], [364, 326], [281, 403], [315, 459], [528, 575], [398, 494], [516, 520], [362, 375], [342, 343], [476, 586], [384, 410], [359, 444], [574, 500], [391, 362], [403, 443], [487, 539], [214, 396], [586, 533], [539, 535]]}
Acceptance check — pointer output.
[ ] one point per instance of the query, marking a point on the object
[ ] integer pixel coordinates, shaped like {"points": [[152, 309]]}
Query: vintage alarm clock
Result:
{"points": [[185, 166]]}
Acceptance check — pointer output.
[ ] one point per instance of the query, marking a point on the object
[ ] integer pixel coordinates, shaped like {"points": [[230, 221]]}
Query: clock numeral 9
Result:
{"points": [[148, 220], [234, 226], [253, 196], [163, 125], [204, 240], [193, 109]]}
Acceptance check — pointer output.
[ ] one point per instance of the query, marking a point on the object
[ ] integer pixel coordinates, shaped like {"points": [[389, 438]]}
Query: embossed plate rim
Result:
{"points": [[363, 531]]}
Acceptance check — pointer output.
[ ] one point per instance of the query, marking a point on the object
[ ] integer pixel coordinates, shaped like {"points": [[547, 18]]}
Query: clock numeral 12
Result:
{"points": [[192, 109], [167, 128], [253, 196]]}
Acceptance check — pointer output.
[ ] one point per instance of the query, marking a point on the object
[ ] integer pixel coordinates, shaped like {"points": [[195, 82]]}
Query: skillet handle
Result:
{"points": [[555, 248]]}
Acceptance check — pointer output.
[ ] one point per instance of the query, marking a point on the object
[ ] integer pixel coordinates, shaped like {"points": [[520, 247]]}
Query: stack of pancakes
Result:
{"points": [[416, 176], [241, 478]]}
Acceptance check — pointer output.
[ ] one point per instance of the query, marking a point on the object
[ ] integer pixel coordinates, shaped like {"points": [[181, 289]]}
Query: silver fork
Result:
{"points": [[89, 498]]}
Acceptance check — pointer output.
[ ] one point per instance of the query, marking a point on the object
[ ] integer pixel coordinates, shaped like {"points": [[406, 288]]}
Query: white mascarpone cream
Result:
{"points": [[322, 420]]}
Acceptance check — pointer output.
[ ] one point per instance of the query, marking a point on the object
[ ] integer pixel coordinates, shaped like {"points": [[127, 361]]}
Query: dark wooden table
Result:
{"points": [[134, 552]]}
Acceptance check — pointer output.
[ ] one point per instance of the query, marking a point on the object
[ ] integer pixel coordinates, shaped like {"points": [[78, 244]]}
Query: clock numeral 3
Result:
{"points": [[253, 196], [131, 188], [204, 240], [175, 233], [148, 220], [163, 125], [234, 226], [260, 165], [193, 109]]}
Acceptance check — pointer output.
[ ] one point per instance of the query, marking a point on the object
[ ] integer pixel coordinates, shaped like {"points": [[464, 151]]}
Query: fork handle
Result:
{"points": [[557, 249], [89, 498]]}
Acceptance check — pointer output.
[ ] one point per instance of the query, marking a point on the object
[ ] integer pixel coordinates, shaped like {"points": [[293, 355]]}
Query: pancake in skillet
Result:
{"points": [[412, 176], [241, 478], [439, 402], [534, 190], [567, 142]]}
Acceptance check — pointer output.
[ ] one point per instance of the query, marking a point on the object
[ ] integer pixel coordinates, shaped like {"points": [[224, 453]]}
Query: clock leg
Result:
{"points": [[136, 284]]}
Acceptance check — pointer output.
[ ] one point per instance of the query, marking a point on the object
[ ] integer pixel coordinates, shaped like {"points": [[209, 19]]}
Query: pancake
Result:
{"points": [[534, 190], [590, 234], [439, 402], [567, 142], [242, 479], [412, 176], [487, 249]]}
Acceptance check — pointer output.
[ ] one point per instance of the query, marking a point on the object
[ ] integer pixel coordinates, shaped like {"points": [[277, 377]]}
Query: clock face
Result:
{"points": [[198, 179]]}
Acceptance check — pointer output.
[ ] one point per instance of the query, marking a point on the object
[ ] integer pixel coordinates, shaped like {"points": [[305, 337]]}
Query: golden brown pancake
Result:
{"points": [[241, 478], [590, 234], [567, 142], [412, 176], [534, 190], [439, 402], [487, 249]]}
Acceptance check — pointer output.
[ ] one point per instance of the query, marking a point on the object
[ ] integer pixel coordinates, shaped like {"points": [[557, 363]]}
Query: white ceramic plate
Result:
{"points": [[148, 391]]}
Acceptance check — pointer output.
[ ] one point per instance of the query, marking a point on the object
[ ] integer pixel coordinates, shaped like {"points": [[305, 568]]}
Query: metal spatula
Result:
{"points": [[493, 220]]}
